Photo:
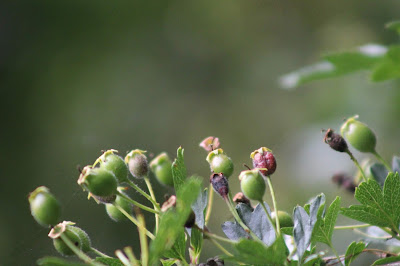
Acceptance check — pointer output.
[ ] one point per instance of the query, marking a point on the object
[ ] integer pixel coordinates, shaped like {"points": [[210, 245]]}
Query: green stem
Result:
{"points": [[278, 227], [155, 204], [210, 204], [343, 227], [387, 230], [268, 216], [335, 252], [131, 256], [133, 220], [151, 197], [370, 236], [143, 239], [229, 202], [98, 252], [124, 260], [358, 165], [217, 237], [143, 207], [383, 161], [220, 247], [76, 250]]}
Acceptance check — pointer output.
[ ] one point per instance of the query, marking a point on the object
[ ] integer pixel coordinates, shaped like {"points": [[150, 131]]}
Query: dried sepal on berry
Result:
{"points": [[264, 158], [75, 234], [210, 143], [137, 163]]}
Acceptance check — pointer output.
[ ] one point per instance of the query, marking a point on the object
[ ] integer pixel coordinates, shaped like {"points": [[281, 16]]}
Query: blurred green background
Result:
{"points": [[79, 77]]}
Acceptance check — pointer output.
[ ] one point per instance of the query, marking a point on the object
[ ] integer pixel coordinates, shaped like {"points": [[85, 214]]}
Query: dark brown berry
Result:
{"points": [[345, 182], [220, 184], [190, 220], [241, 198], [335, 141]]}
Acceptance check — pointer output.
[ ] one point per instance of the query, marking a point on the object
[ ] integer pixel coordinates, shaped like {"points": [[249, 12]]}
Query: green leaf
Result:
{"points": [[255, 253], [196, 242], [169, 262], [55, 261], [109, 261], [396, 164], [304, 222], [172, 222], [178, 249], [353, 250], [389, 68], [255, 219], [380, 208], [336, 64], [379, 172], [179, 170], [394, 25], [287, 231], [323, 229], [199, 207], [386, 261]]}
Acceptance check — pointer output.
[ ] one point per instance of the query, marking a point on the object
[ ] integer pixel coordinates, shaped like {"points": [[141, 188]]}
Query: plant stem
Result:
{"points": [[155, 204], [98, 252], [143, 239], [383, 161], [220, 247], [217, 237], [229, 202], [147, 196], [370, 236], [76, 250], [335, 252], [131, 256], [268, 216], [278, 227], [124, 260], [343, 227], [357, 164], [133, 220], [210, 204], [143, 207]]}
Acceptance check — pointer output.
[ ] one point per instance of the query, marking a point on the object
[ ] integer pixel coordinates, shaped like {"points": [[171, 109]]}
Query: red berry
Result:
{"points": [[264, 158]]}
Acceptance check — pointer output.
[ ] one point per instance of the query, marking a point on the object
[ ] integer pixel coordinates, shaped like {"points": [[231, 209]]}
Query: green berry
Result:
{"points": [[359, 135], [76, 235], [252, 184], [285, 220], [98, 181], [161, 167], [113, 211], [115, 164], [220, 162], [45, 208], [137, 163]]}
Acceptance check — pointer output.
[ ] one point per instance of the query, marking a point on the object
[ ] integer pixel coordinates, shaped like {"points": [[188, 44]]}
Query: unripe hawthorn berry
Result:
{"points": [[359, 135], [161, 167], [252, 184], [137, 163], [45, 208], [220, 162], [285, 220], [264, 158], [220, 184], [98, 181], [335, 141], [115, 164], [75, 234], [115, 214]]}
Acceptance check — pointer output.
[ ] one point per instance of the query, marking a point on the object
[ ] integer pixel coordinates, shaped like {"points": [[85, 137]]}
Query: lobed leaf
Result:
{"points": [[323, 229], [379, 172], [179, 170], [353, 250], [380, 208]]}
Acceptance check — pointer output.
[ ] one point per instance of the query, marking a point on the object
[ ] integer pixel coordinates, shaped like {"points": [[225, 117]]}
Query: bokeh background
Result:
{"points": [[78, 77]]}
